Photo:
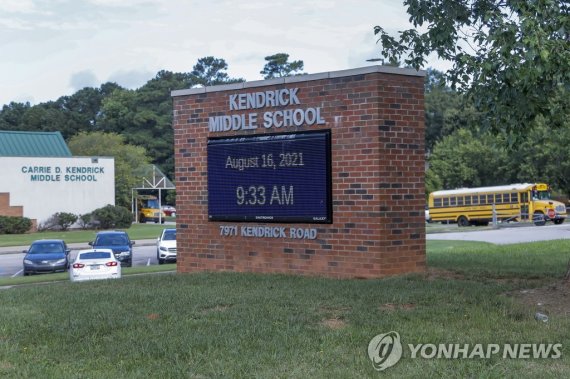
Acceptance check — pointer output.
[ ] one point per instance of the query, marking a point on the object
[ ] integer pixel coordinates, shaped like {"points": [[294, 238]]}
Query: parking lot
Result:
{"points": [[144, 254]]}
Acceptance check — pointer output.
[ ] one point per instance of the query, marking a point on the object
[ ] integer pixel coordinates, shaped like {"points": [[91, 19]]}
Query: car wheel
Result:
{"points": [[559, 221], [160, 261], [26, 273]]}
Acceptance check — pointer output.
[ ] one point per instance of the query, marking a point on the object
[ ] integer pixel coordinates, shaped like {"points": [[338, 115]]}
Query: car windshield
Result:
{"points": [[95, 255], [46, 248], [169, 236], [117, 240]]}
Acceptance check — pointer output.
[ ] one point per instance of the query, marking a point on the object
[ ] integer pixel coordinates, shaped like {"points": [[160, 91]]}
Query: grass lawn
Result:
{"points": [[269, 326]]}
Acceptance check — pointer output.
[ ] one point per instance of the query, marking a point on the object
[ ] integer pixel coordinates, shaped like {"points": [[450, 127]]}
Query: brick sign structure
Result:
{"points": [[318, 174]]}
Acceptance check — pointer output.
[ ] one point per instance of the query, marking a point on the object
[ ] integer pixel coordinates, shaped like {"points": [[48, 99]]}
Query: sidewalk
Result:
{"points": [[72, 246]]}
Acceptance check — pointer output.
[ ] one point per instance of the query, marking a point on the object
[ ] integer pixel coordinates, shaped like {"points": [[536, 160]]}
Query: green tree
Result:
{"points": [[433, 182], [210, 71], [128, 158], [68, 114], [11, 116], [543, 156], [466, 159], [278, 66], [446, 110], [512, 57], [144, 116]]}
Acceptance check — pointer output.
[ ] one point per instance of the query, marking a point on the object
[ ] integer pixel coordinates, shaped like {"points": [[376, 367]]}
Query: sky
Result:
{"points": [[52, 48]]}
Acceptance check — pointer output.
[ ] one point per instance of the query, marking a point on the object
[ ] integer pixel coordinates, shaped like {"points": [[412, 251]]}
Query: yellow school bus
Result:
{"points": [[513, 202], [149, 209]]}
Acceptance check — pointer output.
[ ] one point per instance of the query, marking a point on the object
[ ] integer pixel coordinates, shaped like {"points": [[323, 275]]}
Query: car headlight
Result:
{"points": [[163, 248], [60, 261], [28, 262]]}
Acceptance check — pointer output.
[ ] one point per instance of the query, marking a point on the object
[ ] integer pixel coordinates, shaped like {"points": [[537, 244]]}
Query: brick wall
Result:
{"points": [[376, 118], [6, 209]]}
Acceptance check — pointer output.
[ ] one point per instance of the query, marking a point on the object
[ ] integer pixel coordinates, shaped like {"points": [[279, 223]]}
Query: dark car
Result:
{"points": [[117, 241], [46, 256]]}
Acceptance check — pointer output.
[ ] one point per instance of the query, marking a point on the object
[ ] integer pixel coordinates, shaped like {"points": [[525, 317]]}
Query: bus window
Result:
{"points": [[452, 201], [460, 201], [514, 198], [524, 197], [468, 200], [482, 199], [446, 201], [475, 200], [490, 199], [498, 199], [506, 198], [437, 202]]}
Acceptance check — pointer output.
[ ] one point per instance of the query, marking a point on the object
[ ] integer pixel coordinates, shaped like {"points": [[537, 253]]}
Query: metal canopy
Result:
{"points": [[151, 179]]}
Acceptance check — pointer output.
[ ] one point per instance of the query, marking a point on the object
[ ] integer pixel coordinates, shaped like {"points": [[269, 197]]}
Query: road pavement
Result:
{"points": [[507, 235]]}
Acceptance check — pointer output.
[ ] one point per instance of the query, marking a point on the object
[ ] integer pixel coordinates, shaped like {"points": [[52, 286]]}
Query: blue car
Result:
{"points": [[46, 256], [119, 242]]}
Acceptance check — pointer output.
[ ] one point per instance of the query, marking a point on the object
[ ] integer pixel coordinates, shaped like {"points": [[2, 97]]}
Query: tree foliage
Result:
{"points": [[512, 57], [278, 66], [543, 157], [446, 110], [128, 158], [112, 217], [464, 159], [209, 71]]}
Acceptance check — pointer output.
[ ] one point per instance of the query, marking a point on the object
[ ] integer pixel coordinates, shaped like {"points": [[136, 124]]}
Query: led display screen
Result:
{"points": [[270, 178]]}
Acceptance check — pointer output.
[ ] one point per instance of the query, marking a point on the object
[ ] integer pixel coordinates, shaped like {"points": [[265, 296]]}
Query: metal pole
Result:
{"points": [[159, 207]]}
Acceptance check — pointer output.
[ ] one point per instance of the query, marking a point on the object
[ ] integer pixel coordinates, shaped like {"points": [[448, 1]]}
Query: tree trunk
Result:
{"points": [[567, 275]]}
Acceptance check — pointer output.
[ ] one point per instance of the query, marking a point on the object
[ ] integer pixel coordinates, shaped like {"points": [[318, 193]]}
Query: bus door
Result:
{"points": [[524, 205]]}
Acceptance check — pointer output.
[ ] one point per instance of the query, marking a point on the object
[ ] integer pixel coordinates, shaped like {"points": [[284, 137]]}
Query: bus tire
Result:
{"points": [[142, 219], [539, 219], [462, 221]]}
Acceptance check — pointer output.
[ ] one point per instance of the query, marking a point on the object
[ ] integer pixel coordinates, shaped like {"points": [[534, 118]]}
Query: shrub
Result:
{"points": [[58, 221], [14, 225], [86, 221], [111, 216], [49, 224], [65, 220]]}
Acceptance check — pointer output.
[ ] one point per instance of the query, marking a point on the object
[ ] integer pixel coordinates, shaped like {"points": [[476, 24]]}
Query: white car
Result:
{"points": [[166, 246], [95, 264]]}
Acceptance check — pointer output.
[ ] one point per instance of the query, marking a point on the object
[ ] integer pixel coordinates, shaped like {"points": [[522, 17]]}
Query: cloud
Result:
{"points": [[131, 79], [17, 6], [83, 79]]}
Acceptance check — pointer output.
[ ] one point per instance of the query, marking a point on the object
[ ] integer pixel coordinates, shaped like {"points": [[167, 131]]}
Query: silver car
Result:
{"points": [[166, 246]]}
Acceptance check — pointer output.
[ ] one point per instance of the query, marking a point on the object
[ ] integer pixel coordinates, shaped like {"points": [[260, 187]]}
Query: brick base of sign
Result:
{"points": [[376, 118]]}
